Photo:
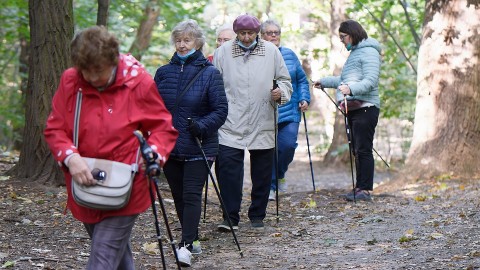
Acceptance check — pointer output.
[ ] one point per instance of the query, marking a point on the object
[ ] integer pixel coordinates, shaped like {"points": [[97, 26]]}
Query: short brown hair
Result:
{"points": [[354, 30], [94, 47]]}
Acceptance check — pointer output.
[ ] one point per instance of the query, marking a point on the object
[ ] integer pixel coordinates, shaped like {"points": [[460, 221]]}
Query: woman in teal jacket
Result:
{"points": [[358, 83]]}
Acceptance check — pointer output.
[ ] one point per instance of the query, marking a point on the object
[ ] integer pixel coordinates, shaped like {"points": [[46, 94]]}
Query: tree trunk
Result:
{"points": [[446, 132], [336, 152], [23, 70], [144, 33], [51, 30], [102, 15]]}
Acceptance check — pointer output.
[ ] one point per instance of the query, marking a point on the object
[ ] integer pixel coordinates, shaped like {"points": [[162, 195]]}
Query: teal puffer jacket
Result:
{"points": [[361, 72]]}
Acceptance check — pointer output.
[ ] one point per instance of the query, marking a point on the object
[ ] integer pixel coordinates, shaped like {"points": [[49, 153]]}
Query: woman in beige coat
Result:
{"points": [[249, 65]]}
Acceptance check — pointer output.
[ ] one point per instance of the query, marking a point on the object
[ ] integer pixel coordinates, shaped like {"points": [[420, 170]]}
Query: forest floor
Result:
{"points": [[422, 224]]}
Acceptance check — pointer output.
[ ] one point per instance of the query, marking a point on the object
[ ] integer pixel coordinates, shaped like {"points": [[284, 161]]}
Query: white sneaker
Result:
{"points": [[272, 195], [184, 256], [282, 185], [196, 247]]}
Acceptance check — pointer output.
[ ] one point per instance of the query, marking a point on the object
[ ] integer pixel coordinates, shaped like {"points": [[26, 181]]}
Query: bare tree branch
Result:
{"points": [[391, 35], [410, 24], [144, 32]]}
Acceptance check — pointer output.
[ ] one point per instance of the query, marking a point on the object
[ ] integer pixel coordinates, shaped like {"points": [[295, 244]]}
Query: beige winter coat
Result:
{"points": [[250, 122]]}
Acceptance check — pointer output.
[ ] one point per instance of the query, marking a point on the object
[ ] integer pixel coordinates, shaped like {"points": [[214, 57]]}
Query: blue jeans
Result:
{"points": [[186, 180], [110, 247], [363, 123], [286, 144], [229, 170]]}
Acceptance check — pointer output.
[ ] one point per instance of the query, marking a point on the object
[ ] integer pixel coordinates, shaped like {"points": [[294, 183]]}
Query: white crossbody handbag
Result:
{"points": [[114, 179]]}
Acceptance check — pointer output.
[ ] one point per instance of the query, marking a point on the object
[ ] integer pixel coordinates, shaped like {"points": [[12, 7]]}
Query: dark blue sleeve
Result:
{"points": [[217, 102]]}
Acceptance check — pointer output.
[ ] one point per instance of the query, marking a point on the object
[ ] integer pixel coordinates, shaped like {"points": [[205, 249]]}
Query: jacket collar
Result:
{"points": [[238, 51], [196, 58]]}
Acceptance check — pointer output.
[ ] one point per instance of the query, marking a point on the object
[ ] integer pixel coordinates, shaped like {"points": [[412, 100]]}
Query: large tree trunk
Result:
{"points": [[336, 152], [446, 134], [144, 33], [51, 30], [23, 70]]}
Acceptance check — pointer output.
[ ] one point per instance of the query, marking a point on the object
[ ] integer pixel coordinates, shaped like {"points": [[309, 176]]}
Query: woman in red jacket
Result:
{"points": [[119, 97]]}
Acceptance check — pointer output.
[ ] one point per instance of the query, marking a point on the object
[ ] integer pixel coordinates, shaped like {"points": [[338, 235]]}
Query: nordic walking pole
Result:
{"points": [[343, 113], [199, 144], [308, 147], [152, 171], [349, 137], [205, 202], [275, 115]]}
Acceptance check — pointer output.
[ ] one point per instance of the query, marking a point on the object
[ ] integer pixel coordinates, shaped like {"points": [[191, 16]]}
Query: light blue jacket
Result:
{"points": [[289, 112], [361, 72]]}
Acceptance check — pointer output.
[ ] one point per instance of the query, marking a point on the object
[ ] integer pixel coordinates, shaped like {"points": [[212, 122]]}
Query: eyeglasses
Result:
{"points": [[222, 40], [342, 37], [271, 33]]}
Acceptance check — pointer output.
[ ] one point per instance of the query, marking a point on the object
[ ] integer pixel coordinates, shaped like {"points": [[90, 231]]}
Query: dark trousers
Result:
{"points": [[186, 180], [110, 247], [363, 122], [229, 170]]}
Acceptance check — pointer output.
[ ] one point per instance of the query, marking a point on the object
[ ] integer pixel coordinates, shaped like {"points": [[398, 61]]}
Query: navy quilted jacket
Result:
{"points": [[205, 102], [289, 112]]}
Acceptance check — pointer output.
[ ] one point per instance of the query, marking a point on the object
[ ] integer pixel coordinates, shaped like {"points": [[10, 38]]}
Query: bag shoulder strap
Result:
{"points": [[76, 120], [76, 123], [179, 98]]}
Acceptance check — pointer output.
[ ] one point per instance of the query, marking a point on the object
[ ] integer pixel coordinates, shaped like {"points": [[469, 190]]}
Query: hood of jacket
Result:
{"points": [[130, 72], [369, 42]]}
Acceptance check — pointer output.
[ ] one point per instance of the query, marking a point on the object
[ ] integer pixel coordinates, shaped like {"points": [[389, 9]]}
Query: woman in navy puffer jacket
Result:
{"points": [[206, 104]]}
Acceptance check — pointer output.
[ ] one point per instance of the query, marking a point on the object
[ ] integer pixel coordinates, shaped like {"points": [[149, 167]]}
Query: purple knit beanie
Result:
{"points": [[246, 22]]}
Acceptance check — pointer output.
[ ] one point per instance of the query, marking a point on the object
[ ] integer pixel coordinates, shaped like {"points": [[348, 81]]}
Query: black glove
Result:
{"points": [[194, 128]]}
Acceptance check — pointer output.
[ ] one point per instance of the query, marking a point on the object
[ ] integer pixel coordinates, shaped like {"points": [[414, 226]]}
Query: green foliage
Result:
{"points": [[309, 37], [11, 102], [386, 21]]}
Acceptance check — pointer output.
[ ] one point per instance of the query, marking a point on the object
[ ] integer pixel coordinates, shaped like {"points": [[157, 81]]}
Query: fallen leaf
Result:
{"points": [[277, 234], [436, 235], [372, 241], [420, 198], [151, 248], [8, 264]]}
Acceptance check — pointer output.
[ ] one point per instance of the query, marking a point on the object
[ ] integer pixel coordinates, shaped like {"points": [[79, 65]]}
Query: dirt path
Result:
{"points": [[299, 176], [424, 225]]}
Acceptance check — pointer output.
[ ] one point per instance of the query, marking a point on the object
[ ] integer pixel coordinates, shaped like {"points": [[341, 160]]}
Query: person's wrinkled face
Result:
{"points": [[184, 44], [272, 34], [98, 76], [225, 36], [247, 37]]}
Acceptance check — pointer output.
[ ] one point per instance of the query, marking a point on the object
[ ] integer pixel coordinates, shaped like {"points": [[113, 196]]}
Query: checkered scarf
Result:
{"points": [[259, 49]]}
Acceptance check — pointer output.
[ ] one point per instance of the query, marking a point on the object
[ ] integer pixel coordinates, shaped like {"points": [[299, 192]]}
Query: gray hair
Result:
{"points": [[224, 27], [267, 23], [189, 28]]}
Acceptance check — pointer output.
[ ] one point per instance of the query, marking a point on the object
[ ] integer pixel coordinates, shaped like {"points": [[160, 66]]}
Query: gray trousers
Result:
{"points": [[110, 246]]}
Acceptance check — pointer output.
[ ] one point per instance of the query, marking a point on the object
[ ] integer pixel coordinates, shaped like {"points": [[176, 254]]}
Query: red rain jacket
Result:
{"points": [[107, 122]]}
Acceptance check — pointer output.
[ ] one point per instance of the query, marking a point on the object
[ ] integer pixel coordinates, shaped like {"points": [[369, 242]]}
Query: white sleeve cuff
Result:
{"points": [[67, 159]]}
